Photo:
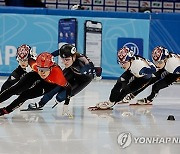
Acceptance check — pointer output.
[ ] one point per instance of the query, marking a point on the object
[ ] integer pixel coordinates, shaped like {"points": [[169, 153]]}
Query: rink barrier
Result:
{"points": [[82, 13]]}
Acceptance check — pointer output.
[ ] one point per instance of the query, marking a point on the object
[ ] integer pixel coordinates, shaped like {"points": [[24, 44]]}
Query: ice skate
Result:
{"points": [[126, 99], [107, 105], [33, 107], [143, 101], [3, 111]]}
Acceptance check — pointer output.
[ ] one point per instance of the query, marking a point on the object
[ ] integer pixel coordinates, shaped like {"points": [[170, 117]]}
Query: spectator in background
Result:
{"points": [[25, 3], [14, 2], [145, 10], [77, 7], [33, 3]]}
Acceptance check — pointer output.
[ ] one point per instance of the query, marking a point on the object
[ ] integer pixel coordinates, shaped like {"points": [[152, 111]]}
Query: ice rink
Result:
{"points": [[124, 130]]}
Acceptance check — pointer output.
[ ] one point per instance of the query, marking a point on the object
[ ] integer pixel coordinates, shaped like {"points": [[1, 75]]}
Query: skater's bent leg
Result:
{"points": [[122, 82], [135, 85], [61, 96], [156, 88], [115, 92], [79, 86], [34, 92], [48, 96], [161, 84], [152, 81], [25, 83]]}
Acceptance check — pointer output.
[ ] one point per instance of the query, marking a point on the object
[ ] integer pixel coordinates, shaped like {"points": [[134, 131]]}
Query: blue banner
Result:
{"points": [[165, 33], [135, 44], [41, 33]]}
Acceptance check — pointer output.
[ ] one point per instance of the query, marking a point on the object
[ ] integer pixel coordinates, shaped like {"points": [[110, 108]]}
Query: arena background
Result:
{"points": [[38, 27]]}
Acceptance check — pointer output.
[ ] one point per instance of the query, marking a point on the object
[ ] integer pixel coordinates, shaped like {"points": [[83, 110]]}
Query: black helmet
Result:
{"points": [[67, 50]]}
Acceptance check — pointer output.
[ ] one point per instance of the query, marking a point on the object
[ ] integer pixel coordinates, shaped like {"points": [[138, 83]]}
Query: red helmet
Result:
{"points": [[23, 52], [45, 60]]}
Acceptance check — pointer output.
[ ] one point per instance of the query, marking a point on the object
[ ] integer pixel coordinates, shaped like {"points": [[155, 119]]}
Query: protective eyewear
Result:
{"points": [[41, 69], [158, 62], [22, 60], [67, 59], [122, 62]]}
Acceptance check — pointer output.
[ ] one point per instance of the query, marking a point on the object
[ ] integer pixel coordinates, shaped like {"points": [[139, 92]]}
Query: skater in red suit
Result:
{"points": [[79, 71], [46, 75]]}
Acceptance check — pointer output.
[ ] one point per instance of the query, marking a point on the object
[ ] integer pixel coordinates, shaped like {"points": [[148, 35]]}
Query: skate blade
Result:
{"points": [[140, 104], [31, 109], [122, 102], [93, 108]]}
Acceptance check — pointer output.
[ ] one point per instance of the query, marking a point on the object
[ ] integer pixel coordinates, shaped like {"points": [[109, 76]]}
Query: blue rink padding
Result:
{"points": [[164, 30], [38, 27]]}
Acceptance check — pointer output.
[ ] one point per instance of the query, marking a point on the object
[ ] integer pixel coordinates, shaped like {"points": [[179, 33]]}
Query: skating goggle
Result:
{"points": [[122, 62], [158, 62], [66, 59], [43, 69], [22, 60]]}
